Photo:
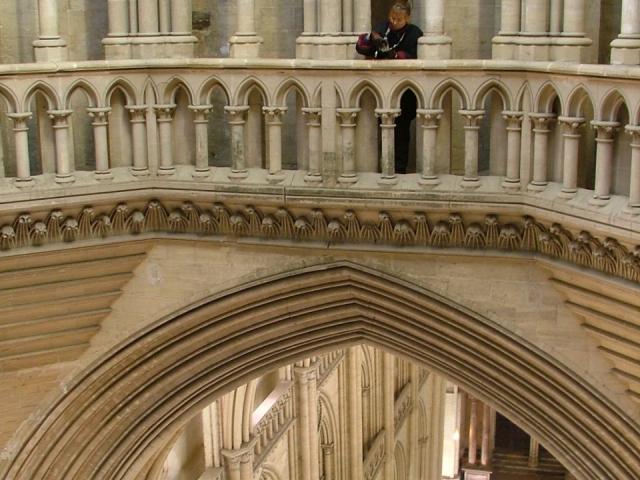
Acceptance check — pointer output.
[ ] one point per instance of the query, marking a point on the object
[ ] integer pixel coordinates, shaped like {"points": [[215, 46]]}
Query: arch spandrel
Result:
{"points": [[118, 413]]}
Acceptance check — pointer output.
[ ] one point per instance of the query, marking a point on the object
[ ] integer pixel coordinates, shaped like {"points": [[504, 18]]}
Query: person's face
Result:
{"points": [[398, 19]]}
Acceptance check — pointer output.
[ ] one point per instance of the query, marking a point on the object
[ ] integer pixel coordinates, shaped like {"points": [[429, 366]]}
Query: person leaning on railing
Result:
{"points": [[396, 38]]}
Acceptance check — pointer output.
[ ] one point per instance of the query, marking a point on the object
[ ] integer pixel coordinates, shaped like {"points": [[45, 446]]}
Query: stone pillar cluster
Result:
{"points": [[542, 30], [479, 435], [149, 29], [625, 50]]}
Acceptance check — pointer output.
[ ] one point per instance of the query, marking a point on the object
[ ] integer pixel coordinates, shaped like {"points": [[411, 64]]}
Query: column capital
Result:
{"points": [[99, 114], [59, 114], [513, 115], [634, 131], [430, 117], [20, 119], [244, 454], [274, 114], [472, 117], [137, 112], [604, 129], [306, 374], [201, 112], [541, 121], [571, 124], [388, 115], [236, 112], [348, 116], [165, 112]]}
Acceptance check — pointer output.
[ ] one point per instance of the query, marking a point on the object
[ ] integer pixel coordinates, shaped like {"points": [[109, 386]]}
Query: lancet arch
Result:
{"points": [[356, 92], [116, 415]]}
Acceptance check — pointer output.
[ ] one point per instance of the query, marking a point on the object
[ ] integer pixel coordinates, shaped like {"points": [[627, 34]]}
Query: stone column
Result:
{"points": [[327, 454], [451, 432], [201, 125], [139, 139], [49, 47], [533, 42], [571, 138], [64, 169], [182, 42], [388, 413], [634, 180], [555, 17], [238, 464], [237, 120], [148, 17], [117, 44], [164, 115], [362, 16], [307, 425], [571, 45], [473, 421], [541, 122], [471, 144], [100, 123], [514, 139], [625, 50], [21, 136], [348, 119], [504, 45], [245, 43], [435, 44], [314, 130], [536, 17], [485, 454], [164, 16], [387, 125], [534, 453], [430, 123], [354, 411], [273, 121], [604, 160]]}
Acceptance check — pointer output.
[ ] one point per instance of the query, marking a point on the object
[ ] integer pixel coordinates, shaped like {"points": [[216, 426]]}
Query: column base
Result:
{"points": [[599, 201], [504, 47], [276, 177], [383, 180], [468, 183], [139, 172], [117, 48], [533, 49], [313, 178], [567, 48], [50, 50], [201, 173], [511, 184], [103, 175], [350, 178], [330, 46], [429, 181], [434, 47], [625, 51], [245, 46], [238, 174], [537, 186], [567, 193], [166, 171], [474, 473], [632, 209], [24, 182], [68, 178]]}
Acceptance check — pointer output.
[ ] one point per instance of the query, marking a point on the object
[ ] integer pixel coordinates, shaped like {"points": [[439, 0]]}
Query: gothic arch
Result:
{"points": [[53, 101], [241, 96], [577, 100], [356, 92], [445, 87], [547, 94], [126, 87], [115, 416], [205, 90], [494, 85], [398, 90], [610, 106], [524, 97], [285, 87], [10, 98], [170, 90], [87, 88]]}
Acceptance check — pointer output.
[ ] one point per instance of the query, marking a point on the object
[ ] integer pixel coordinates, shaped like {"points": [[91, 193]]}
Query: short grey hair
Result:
{"points": [[402, 7]]}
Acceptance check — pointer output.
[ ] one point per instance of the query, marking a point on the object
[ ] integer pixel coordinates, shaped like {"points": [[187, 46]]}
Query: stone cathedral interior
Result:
{"points": [[211, 268]]}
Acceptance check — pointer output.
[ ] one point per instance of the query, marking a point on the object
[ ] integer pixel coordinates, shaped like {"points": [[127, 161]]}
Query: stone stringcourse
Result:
{"points": [[605, 255]]}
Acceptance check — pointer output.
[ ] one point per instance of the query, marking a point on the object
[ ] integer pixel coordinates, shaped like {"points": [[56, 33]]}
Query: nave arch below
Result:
{"points": [[115, 416]]}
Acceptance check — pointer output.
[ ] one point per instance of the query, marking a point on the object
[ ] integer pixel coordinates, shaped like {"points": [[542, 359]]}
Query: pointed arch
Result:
{"points": [[171, 89], [524, 97], [367, 85], [126, 87], [398, 90], [495, 85], [150, 87], [445, 87], [87, 88], [328, 425], [157, 380], [545, 98], [611, 104], [286, 86], [10, 98], [316, 98], [577, 101], [241, 96], [52, 98], [205, 90]]}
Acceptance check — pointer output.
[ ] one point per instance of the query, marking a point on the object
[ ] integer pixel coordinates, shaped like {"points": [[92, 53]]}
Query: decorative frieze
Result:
{"points": [[554, 241]]}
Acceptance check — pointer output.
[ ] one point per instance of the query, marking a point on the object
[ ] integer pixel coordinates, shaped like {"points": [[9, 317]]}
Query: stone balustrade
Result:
{"points": [[547, 137], [274, 423]]}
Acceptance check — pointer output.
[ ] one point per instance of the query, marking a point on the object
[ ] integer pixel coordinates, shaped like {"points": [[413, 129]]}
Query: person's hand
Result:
{"points": [[375, 36]]}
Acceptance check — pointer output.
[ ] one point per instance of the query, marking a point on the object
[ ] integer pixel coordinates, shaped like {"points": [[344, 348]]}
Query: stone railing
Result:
{"points": [[494, 136], [327, 363], [403, 405], [375, 457], [274, 423]]}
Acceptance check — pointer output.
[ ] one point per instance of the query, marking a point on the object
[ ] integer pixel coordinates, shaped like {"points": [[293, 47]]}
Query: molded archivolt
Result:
{"points": [[117, 415]]}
